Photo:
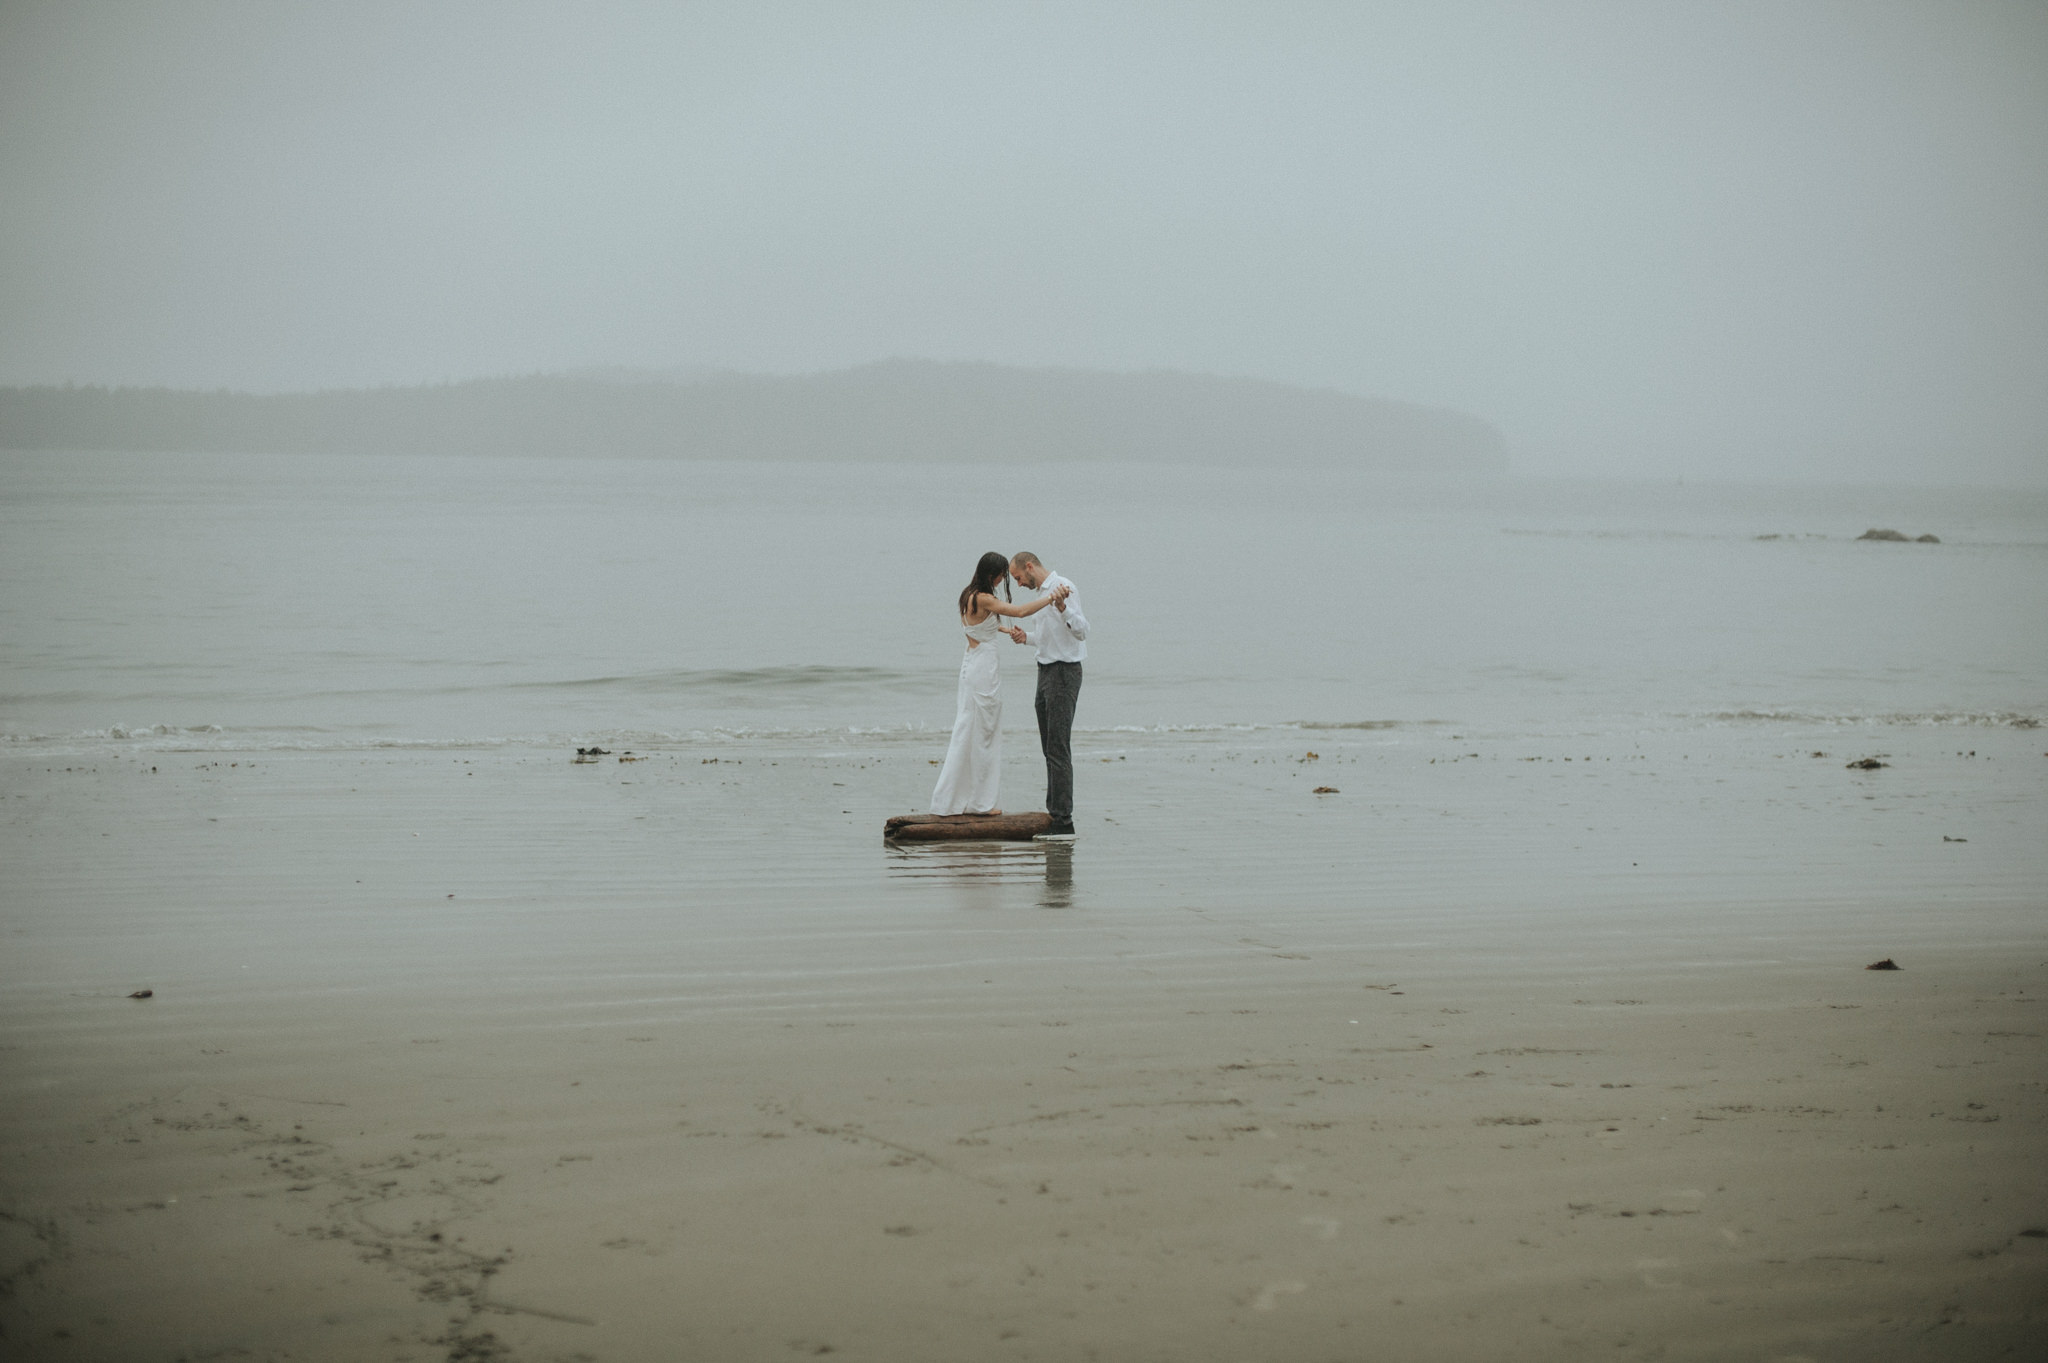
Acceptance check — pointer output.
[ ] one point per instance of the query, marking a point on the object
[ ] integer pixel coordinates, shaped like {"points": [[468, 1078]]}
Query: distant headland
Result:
{"points": [[898, 410]]}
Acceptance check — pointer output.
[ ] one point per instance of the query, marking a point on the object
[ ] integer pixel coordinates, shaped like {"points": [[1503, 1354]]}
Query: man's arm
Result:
{"points": [[1070, 614]]}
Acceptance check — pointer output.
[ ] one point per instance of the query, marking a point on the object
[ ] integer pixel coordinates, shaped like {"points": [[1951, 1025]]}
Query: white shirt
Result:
{"points": [[1061, 635]]}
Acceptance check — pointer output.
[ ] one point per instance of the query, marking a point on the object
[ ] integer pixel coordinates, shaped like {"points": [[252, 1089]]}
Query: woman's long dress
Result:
{"points": [[974, 759]]}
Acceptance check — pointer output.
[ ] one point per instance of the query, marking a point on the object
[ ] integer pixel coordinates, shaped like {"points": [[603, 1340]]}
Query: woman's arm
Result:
{"points": [[995, 605]]}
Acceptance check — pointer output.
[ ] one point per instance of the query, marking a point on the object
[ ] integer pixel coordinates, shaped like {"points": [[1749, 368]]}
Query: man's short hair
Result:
{"points": [[1025, 556]]}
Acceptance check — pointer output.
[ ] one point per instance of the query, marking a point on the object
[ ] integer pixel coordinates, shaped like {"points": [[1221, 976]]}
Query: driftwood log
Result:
{"points": [[966, 827]]}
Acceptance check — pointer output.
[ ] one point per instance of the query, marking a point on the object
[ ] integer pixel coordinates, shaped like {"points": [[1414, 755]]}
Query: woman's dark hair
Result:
{"points": [[992, 569]]}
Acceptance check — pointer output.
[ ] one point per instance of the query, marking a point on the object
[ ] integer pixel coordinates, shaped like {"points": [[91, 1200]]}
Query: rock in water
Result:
{"points": [[1875, 534], [1886, 964]]}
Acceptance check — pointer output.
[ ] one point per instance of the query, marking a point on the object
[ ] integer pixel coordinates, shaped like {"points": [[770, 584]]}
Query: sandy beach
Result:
{"points": [[486, 1055], [1538, 515]]}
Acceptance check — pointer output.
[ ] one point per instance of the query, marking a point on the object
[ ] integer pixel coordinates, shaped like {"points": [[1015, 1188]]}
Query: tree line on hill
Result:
{"points": [[905, 410]]}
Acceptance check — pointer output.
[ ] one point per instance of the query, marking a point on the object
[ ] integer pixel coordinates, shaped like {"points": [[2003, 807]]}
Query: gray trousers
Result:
{"points": [[1059, 687]]}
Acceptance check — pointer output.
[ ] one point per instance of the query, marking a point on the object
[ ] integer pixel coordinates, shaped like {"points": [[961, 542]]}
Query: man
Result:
{"points": [[1061, 634]]}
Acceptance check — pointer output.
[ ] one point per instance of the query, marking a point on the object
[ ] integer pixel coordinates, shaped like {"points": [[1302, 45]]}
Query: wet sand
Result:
{"points": [[479, 1055]]}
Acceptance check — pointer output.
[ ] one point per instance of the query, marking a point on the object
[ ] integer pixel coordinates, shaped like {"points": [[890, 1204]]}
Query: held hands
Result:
{"points": [[1016, 632]]}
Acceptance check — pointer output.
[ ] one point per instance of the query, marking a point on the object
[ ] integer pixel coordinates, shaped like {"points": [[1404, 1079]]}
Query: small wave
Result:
{"points": [[1364, 723], [1172, 728], [215, 738], [118, 733], [806, 678], [2000, 719], [1265, 726], [1530, 532]]}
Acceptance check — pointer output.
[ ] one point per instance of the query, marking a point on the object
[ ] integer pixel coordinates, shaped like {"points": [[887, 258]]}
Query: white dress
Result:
{"points": [[974, 759]]}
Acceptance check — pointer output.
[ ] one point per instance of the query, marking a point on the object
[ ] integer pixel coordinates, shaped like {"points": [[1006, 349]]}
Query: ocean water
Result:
{"points": [[246, 603], [291, 724]]}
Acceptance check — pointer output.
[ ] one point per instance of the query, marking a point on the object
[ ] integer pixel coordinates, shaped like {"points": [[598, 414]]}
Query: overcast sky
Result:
{"points": [[1771, 239]]}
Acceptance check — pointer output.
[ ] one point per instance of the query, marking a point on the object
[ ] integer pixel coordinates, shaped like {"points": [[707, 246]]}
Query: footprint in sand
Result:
{"points": [[1269, 1295], [25, 1245], [1656, 1272], [412, 1213]]}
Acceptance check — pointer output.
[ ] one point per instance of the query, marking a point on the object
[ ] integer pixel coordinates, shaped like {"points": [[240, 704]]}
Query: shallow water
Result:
{"points": [[302, 699], [242, 602], [299, 695]]}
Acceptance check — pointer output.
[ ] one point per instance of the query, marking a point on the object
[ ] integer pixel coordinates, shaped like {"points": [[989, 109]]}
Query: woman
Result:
{"points": [[974, 759]]}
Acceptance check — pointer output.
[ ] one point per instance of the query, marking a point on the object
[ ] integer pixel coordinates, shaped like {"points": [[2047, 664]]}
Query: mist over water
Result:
{"points": [[175, 601], [1721, 240]]}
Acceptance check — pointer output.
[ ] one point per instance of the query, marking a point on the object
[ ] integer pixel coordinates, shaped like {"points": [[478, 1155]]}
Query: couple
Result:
{"points": [[974, 759]]}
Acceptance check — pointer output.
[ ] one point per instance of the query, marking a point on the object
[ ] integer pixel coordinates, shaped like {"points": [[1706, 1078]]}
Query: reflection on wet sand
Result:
{"points": [[984, 871]]}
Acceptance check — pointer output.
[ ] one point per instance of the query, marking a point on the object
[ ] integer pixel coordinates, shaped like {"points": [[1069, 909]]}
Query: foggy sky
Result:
{"points": [[1759, 240]]}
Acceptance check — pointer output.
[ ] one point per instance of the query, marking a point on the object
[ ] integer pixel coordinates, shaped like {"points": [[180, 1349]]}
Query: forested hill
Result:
{"points": [[894, 410]]}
